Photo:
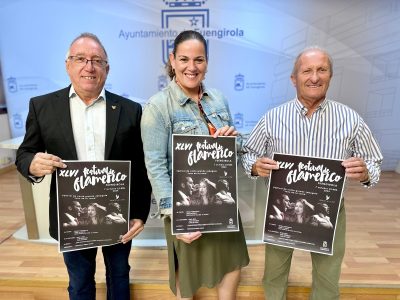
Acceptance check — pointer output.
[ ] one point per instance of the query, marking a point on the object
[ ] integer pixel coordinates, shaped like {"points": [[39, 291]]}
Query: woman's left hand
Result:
{"points": [[226, 131], [188, 238], [136, 226]]}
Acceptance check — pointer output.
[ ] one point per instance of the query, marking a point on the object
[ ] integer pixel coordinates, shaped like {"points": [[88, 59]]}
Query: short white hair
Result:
{"points": [[90, 36], [308, 49]]}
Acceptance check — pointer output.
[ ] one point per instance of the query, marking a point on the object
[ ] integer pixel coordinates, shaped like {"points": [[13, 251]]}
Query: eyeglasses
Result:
{"points": [[211, 127], [82, 61]]}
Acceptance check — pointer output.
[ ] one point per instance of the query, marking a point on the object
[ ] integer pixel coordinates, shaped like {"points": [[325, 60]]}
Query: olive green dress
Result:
{"points": [[205, 261]]}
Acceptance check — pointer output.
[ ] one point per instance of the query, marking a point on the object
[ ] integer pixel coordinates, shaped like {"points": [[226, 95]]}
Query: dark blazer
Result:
{"points": [[49, 129]]}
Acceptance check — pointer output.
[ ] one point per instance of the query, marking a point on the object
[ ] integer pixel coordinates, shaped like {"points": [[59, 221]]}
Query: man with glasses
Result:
{"points": [[86, 122]]}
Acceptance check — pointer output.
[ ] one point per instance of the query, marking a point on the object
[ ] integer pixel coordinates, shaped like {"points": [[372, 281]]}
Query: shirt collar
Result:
{"points": [[303, 110], [73, 94], [180, 95]]}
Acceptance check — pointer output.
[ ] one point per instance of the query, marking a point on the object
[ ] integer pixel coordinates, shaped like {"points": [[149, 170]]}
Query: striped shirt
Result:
{"points": [[333, 131]]}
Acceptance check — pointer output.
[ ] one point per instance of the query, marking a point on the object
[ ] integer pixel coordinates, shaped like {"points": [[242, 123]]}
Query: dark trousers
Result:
{"points": [[81, 266]]}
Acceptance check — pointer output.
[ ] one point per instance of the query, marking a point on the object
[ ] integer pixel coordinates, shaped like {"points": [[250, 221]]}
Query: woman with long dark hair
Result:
{"points": [[187, 106]]}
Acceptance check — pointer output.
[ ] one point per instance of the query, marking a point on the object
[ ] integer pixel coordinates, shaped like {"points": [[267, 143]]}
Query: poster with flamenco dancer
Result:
{"points": [[204, 184], [303, 202], [93, 203]]}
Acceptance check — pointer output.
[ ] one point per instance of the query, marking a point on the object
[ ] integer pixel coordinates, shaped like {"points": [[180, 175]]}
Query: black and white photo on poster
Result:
{"points": [[204, 184], [303, 203], [93, 203]]}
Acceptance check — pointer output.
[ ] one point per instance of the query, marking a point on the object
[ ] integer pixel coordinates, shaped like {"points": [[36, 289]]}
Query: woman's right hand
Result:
{"points": [[188, 238]]}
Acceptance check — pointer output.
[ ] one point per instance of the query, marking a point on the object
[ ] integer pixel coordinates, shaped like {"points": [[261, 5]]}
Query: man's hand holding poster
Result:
{"points": [[303, 202], [93, 203]]}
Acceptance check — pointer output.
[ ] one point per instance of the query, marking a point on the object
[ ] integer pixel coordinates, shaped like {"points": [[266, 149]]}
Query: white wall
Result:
{"points": [[7, 157], [252, 45]]}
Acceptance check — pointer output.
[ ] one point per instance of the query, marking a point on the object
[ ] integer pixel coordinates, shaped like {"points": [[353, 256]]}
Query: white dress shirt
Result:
{"points": [[88, 126]]}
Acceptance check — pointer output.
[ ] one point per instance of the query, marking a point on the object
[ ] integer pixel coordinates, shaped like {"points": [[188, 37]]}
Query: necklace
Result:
{"points": [[199, 94], [211, 128]]}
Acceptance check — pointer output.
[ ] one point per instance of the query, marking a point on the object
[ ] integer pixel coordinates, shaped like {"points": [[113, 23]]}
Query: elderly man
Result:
{"points": [[312, 125], [85, 122]]}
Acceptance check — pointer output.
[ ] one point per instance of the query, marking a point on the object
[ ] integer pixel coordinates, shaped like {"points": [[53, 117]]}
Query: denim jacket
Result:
{"points": [[171, 111]]}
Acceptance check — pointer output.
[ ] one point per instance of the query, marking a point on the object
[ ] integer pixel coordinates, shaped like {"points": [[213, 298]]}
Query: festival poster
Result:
{"points": [[303, 203], [204, 184], [93, 203]]}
